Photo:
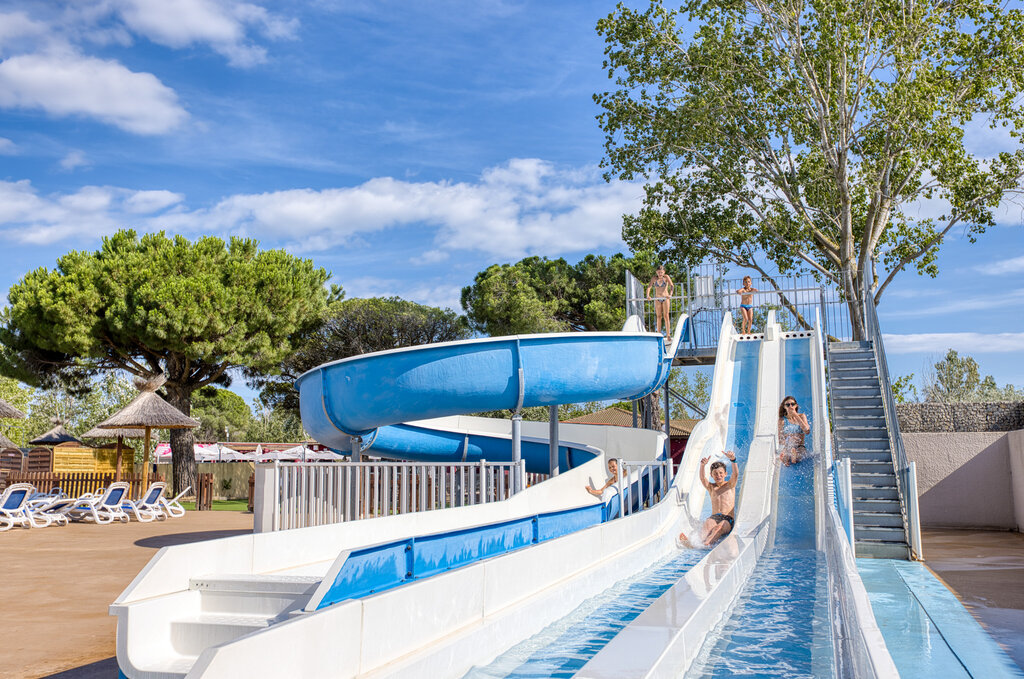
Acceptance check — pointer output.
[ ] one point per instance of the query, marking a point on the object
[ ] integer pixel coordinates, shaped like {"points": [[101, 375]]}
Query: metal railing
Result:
{"points": [[706, 295], [642, 484], [319, 493], [906, 474]]}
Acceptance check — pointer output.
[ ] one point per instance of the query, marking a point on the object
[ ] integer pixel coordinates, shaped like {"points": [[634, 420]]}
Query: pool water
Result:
{"points": [[563, 647], [778, 626]]}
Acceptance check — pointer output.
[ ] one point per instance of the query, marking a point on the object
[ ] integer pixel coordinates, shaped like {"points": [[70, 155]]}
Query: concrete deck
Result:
{"points": [[985, 569], [57, 583]]}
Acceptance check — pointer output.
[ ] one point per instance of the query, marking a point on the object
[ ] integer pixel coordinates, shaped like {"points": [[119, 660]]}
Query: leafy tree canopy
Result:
{"points": [[537, 294], [798, 133], [192, 311], [223, 415], [358, 326], [957, 378]]}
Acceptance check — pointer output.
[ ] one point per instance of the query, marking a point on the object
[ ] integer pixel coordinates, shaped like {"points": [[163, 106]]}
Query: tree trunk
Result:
{"points": [[183, 456], [852, 292], [649, 412]]}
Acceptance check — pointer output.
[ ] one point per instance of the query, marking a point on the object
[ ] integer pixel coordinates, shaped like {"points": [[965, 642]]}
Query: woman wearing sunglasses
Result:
{"points": [[793, 427]]}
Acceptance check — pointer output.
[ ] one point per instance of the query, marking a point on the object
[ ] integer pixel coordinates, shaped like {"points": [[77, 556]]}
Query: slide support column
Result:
{"points": [[634, 414], [517, 444], [668, 424], [553, 440]]}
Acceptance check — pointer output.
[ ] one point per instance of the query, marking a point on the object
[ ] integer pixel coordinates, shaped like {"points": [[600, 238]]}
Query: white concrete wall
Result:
{"points": [[965, 480]]}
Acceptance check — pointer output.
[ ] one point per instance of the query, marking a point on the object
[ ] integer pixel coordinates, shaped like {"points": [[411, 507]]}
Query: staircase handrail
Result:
{"points": [[872, 333]]}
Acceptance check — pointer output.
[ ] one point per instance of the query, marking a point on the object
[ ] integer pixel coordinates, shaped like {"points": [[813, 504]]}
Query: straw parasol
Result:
{"points": [[6, 442], [148, 411], [120, 435], [10, 412], [55, 436]]}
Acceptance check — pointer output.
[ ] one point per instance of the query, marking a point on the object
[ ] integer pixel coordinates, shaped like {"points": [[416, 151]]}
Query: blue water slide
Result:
{"points": [[366, 396]]}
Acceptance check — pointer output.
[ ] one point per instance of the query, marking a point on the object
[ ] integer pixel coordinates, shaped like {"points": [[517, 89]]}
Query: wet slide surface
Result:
{"points": [[779, 625], [563, 647]]}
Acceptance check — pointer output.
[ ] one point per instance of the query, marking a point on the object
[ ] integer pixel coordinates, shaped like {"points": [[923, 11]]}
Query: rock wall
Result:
{"points": [[960, 417]]}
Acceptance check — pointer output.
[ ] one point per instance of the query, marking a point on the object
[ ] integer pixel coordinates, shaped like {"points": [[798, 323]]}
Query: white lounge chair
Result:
{"points": [[53, 512], [148, 508], [104, 509], [13, 503], [172, 506]]}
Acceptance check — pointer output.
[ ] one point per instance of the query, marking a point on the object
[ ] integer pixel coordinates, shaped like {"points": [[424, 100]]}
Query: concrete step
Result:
{"points": [[873, 549], [246, 582], [876, 506], [877, 520], [879, 533], [190, 636]]}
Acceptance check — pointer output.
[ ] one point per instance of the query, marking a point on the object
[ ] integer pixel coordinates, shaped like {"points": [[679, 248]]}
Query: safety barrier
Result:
{"points": [[304, 494]]}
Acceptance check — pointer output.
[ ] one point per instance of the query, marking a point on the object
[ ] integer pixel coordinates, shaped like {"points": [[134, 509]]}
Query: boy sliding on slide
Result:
{"points": [[723, 501]]}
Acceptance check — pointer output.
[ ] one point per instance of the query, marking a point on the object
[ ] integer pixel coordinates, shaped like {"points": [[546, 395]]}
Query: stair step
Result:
{"points": [[868, 520], [190, 636], [849, 373], [850, 346], [866, 492], [278, 584], [880, 534], [871, 549], [861, 445], [843, 400], [841, 391], [873, 506], [173, 665], [885, 479], [883, 467], [867, 456]]}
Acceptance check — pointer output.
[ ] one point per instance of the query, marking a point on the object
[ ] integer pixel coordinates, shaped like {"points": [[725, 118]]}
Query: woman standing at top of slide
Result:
{"points": [[663, 288]]}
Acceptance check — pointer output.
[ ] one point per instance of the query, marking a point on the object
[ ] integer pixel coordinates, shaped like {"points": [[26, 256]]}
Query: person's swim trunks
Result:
{"points": [[746, 306], [724, 517]]}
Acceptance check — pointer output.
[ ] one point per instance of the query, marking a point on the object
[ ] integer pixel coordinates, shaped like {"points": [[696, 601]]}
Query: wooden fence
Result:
{"points": [[76, 484]]}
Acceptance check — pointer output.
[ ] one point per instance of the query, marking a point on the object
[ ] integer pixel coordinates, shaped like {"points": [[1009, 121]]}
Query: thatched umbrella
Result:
{"points": [[6, 442], [10, 412], [120, 435], [148, 411], [55, 436]]}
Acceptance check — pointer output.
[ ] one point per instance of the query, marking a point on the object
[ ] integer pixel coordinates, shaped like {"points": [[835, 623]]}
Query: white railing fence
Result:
{"points": [[302, 494], [642, 484]]}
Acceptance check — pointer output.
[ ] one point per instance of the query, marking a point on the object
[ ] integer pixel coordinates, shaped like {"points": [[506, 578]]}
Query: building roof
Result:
{"points": [[6, 442], [620, 418], [56, 435]]}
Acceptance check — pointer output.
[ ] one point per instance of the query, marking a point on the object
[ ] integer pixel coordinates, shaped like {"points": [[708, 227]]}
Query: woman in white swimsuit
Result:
{"points": [[663, 287]]}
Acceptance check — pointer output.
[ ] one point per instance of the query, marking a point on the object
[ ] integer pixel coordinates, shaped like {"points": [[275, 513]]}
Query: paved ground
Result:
{"points": [[57, 583], [986, 569]]}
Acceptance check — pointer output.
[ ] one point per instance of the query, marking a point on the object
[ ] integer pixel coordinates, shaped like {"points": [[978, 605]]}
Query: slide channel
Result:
{"points": [[779, 624], [565, 646]]}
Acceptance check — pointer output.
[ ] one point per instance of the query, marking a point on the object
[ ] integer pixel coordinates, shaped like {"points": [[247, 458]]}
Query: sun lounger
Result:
{"points": [[104, 509], [148, 508], [12, 506], [53, 512], [172, 506]]}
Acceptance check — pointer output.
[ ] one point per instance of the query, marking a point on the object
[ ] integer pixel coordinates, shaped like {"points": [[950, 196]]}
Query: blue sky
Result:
{"points": [[403, 146]]}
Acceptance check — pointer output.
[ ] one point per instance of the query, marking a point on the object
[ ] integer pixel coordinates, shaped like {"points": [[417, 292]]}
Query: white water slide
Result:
{"points": [[303, 602]]}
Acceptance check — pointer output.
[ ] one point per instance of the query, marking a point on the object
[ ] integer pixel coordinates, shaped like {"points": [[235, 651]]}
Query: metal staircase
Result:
{"points": [[861, 435]]}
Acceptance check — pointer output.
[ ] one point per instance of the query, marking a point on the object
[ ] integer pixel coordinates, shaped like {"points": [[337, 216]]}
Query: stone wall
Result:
{"points": [[960, 417]]}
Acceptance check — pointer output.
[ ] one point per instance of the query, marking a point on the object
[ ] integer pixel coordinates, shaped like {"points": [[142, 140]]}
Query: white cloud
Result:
{"points": [[72, 160], [439, 295], [7, 147], [520, 208], [224, 26], [430, 257], [967, 342], [961, 304], [1003, 266], [68, 84]]}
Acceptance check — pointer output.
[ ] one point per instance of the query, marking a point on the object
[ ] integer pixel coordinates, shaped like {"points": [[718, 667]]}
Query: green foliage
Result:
{"points": [[903, 389], [957, 378], [359, 326], [222, 414], [276, 425], [538, 294], [798, 133], [566, 411], [154, 305], [692, 384], [19, 396]]}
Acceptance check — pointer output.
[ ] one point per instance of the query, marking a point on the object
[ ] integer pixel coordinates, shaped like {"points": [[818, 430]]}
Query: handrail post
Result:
{"points": [[618, 487], [914, 518]]}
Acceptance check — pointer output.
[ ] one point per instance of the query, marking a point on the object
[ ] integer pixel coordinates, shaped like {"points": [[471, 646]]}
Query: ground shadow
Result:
{"points": [[101, 669], [158, 541]]}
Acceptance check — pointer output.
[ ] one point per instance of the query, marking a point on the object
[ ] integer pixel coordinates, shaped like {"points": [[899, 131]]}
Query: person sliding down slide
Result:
{"points": [[723, 501]]}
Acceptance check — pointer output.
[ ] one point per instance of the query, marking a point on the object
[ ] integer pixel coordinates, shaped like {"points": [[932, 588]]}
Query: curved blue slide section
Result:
{"points": [[362, 395]]}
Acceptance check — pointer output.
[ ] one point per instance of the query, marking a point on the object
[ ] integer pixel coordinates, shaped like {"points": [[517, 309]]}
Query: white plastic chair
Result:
{"points": [[172, 506], [148, 507], [104, 509], [13, 502]]}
